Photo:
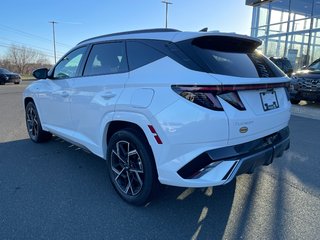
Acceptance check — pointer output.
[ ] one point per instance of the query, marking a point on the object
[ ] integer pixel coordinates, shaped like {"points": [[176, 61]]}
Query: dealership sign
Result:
{"points": [[255, 2]]}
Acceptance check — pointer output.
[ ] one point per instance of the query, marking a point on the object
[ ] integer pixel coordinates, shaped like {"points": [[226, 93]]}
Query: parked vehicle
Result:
{"points": [[190, 109], [305, 84], [284, 64], [7, 77]]}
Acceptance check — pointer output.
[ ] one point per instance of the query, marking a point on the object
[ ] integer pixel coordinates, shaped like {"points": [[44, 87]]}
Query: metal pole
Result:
{"points": [[167, 3], [54, 41], [166, 15], [310, 33]]}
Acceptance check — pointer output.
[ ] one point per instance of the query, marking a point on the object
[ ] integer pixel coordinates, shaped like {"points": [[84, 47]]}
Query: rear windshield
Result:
{"points": [[230, 56]]}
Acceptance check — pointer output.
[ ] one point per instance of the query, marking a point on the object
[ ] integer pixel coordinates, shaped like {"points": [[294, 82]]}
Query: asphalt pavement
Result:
{"points": [[58, 191]]}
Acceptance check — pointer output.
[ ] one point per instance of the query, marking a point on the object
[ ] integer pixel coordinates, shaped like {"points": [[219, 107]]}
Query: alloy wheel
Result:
{"points": [[127, 168], [32, 122]]}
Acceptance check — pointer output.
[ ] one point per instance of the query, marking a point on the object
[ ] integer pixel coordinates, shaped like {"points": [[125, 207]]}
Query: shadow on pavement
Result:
{"points": [[55, 190], [303, 159]]}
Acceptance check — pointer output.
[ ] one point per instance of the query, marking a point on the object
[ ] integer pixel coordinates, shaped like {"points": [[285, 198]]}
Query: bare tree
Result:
{"points": [[5, 64], [20, 57]]}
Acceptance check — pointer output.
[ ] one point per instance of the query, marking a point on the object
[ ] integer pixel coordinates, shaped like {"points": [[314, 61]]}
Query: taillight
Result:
{"points": [[207, 96], [203, 96], [233, 99]]}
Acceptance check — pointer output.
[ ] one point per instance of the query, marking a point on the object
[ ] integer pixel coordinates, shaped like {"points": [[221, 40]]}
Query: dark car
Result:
{"points": [[6, 77], [305, 84], [284, 64]]}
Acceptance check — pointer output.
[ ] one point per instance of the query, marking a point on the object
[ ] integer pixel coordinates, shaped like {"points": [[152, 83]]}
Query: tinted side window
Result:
{"points": [[69, 65], [106, 58], [140, 54]]}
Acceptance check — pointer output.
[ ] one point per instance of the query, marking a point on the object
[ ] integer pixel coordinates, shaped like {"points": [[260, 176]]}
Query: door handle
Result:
{"points": [[108, 95], [64, 94]]}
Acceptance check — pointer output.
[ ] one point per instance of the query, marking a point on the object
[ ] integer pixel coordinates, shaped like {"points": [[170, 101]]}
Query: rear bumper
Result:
{"points": [[241, 158], [265, 157]]}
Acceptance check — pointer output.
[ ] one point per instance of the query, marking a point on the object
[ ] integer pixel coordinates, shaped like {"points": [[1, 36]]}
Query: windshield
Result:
{"points": [[314, 66], [3, 70]]}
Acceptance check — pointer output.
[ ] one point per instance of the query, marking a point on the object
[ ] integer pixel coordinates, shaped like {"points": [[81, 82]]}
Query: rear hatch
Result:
{"points": [[253, 91]]}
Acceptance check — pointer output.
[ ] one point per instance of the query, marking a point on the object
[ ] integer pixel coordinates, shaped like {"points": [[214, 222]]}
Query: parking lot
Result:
{"points": [[58, 191]]}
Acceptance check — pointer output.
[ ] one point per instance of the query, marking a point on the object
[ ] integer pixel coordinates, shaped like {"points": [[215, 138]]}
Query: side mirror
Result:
{"points": [[304, 67], [41, 73]]}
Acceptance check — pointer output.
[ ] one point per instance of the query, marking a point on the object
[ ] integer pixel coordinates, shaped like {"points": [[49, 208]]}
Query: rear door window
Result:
{"points": [[106, 58]]}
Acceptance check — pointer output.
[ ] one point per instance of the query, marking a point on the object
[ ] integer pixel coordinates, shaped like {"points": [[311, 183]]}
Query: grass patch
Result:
{"points": [[27, 77]]}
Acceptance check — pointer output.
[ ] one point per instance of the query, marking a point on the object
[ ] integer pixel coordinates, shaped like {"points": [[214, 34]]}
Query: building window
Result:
{"points": [[289, 28]]}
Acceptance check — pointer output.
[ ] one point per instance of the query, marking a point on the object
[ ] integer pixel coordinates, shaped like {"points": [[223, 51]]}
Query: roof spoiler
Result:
{"points": [[227, 43]]}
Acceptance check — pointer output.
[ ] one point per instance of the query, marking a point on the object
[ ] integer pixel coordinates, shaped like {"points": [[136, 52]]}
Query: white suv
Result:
{"points": [[190, 109]]}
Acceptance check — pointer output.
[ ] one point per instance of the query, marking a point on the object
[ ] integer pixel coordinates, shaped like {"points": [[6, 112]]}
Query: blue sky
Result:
{"points": [[27, 21]]}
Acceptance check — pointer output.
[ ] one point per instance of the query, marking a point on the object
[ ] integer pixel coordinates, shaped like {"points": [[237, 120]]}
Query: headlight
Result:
{"points": [[294, 83], [291, 88]]}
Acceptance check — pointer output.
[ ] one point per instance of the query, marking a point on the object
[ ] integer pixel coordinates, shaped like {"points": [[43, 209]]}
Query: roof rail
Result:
{"points": [[154, 30]]}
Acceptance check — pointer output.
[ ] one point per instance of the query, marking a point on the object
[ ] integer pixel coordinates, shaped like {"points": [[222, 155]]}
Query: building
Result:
{"points": [[288, 28]]}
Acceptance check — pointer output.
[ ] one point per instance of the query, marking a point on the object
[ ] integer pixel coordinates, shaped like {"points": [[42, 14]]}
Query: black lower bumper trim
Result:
{"points": [[248, 155]]}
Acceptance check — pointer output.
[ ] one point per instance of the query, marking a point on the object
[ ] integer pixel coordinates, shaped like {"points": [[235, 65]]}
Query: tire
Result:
{"points": [[34, 128], [131, 167], [294, 101], [2, 82], [16, 82]]}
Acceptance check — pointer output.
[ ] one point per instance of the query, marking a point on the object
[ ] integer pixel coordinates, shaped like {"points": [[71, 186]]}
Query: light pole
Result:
{"points": [[54, 40], [167, 3]]}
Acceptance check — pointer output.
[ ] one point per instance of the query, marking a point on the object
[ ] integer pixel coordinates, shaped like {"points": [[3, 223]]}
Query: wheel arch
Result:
{"points": [[117, 125], [137, 122]]}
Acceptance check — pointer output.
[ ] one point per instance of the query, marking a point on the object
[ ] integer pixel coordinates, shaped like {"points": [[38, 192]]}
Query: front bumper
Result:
{"points": [[305, 90], [309, 95], [237, 159]]}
